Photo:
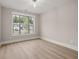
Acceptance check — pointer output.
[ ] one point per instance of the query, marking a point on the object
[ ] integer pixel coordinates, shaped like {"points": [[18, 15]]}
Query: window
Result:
{"points": [[23, 24]]}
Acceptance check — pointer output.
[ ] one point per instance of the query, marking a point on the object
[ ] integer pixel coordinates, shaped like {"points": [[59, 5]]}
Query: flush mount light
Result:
{"points": [[35, 2]]}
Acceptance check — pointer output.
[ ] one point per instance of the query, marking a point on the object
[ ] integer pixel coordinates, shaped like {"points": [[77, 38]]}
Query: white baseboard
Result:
{"points": [[16, 40], [44, 38], [59, 43]]}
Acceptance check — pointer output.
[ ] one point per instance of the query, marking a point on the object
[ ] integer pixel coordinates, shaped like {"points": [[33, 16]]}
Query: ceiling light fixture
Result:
{"points": [[34, 0], [34, 3]]}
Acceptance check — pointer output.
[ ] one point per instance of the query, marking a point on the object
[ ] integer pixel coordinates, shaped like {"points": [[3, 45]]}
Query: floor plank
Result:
{"points": [[36, 49]]}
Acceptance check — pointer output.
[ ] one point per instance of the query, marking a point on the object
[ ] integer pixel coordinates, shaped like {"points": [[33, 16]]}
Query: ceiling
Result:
{"points": [[27, 5]]}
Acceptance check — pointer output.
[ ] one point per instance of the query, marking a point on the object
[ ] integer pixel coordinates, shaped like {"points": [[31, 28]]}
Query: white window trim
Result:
{"points": [[18, 13]]}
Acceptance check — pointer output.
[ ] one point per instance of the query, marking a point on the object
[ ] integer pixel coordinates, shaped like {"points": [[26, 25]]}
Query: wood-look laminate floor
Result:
{"points": [[36, 49]]}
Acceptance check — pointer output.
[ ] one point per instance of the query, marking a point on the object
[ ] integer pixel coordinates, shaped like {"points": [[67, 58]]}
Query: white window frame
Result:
{"points": [[15, 13]]}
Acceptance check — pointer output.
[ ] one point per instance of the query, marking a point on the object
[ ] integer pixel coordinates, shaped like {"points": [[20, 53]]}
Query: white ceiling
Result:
{"points": [[27, 5]]}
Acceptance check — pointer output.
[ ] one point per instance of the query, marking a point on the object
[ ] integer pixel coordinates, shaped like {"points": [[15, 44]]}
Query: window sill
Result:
{"points": [[23, 35]]}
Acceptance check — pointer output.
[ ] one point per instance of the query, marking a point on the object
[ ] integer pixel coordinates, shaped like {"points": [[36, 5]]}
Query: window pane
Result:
{"points": [[15, 24], [31, 28], [31, 24], [24, 24]]}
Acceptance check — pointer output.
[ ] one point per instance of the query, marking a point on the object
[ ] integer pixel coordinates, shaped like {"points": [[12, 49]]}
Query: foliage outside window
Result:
{"points": [[23, 24]]}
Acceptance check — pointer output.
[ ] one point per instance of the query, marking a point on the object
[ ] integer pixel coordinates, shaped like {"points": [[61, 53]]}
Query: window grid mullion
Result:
{"points": [[28, 26], [19, 25], [13, 24]]}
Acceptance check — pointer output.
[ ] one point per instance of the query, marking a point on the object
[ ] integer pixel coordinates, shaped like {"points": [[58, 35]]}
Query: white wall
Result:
{"points": [[0, 22], [60, 25], [6, 27]]}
